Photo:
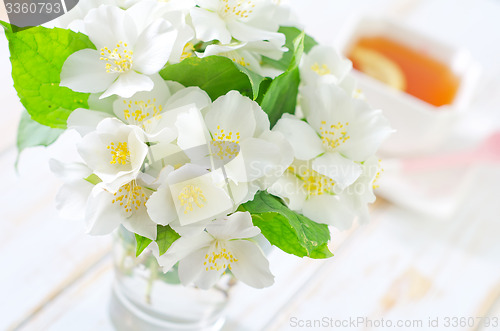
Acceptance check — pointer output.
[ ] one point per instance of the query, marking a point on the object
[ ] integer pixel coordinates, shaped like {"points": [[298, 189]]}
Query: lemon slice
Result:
{"points": [[380, 67]]}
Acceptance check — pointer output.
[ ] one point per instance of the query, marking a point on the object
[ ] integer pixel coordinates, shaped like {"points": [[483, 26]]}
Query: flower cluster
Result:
{"points": [[332, 177], [205, 161]]}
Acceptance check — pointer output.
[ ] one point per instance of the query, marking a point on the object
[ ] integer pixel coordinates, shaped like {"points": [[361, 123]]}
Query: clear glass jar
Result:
{"points": [[146, 299]]}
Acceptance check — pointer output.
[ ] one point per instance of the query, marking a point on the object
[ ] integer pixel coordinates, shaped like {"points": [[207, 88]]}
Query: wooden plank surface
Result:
{"points": [[403, 267], [40, 253]]}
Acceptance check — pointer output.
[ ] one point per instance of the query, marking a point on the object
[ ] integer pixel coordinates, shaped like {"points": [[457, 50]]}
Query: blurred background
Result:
{"points": [[431, 253]]}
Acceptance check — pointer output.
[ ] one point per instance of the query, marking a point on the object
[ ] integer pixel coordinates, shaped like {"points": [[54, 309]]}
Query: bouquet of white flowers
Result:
{"points": [[208, 129]]}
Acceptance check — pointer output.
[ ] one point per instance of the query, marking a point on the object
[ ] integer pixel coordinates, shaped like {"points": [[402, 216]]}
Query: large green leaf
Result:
{"points": [[37, 57], [291, 232], [281, 96], [291, 34], [31, 134], [216, 75]]}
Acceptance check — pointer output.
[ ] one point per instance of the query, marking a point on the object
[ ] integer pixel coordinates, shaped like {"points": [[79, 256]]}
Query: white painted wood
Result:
{"points": [[41, 254], [405, 267], [251, 309], [10, 107]]}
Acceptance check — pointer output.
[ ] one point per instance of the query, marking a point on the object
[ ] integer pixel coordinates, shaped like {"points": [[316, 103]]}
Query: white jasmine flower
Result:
{"points": [[317, 197], [204, 256], [240, 142], [174, 12], [106, 210], [189, 195], [71, 200], [114, 151], [102, 209], [249, 20], [324, 65], [154, 112], [127, 52], [340, 133]]}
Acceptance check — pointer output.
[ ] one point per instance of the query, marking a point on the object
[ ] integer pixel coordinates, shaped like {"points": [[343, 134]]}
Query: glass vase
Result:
{"points": [[144, 298]]}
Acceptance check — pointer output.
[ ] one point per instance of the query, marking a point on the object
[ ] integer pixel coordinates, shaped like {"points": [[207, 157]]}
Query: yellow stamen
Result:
{"points": [[119, 59], [191, 195]]}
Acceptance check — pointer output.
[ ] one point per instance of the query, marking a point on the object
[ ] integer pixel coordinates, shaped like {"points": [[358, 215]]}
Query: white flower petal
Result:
{"points": [[343, 171], [367, 132], [183, 247], [71, 200], [191, 267], [69, 172], [84, 72], [321, 63], [158, 96], [284, 160], [329, 209], [108, 25], [102, 216], [185, 33], [208, 278], [234, 114], [141, 13], [259, 156], [189, 229], [198, 198], [186, 96], [94, 150], [128, 84], [85, 120], [153, 48], [304, 140], [209, 26], [191, 129], [289, 188], [252, 267], [236, 226], [161, 206], [212, 5], [140, 223], [245, 32]]}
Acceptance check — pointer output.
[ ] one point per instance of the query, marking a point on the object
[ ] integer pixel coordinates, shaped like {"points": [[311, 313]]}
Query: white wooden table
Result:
{"points": [[403, 266]]}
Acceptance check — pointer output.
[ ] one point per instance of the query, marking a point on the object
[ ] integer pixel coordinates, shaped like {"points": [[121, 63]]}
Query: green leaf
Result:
{"points": [[142, 243], [291, 232], [31, 134], [165, 238], [6, 26], [281, 97], [216, 75], [93, 179], [255, 79], [264, 87], [298, 46], [291, 34], [37, 57]]}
